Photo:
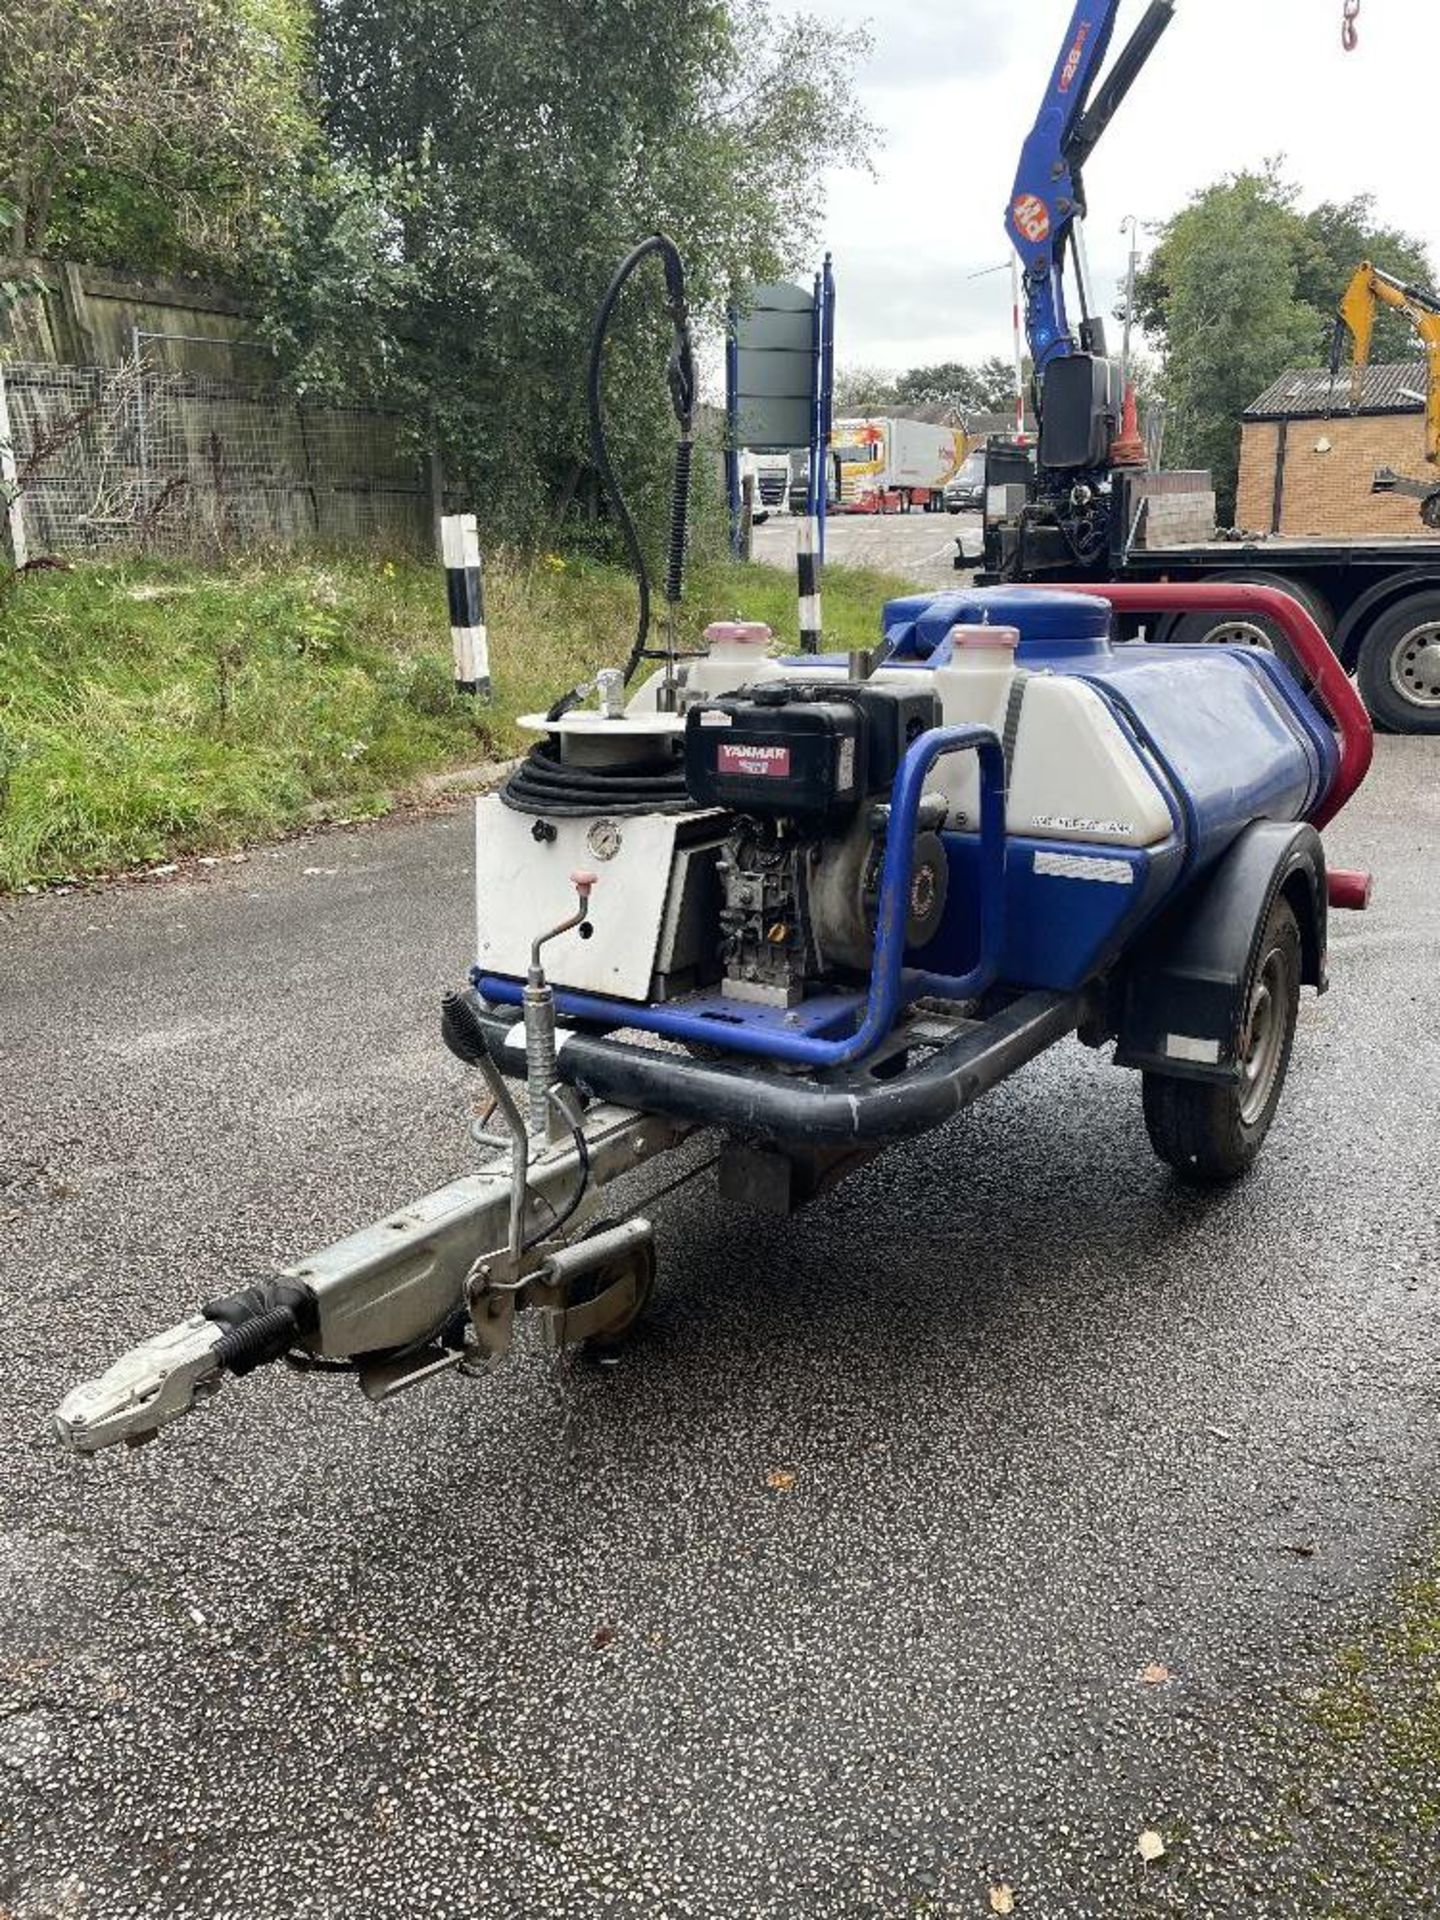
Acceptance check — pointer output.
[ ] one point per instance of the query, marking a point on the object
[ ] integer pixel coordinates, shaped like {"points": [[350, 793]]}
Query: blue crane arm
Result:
{"points": [[1049, 195]]}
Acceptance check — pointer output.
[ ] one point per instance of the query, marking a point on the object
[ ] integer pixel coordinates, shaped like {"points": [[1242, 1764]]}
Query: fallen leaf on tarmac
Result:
{"points": [[779, 1480], [601, 1638], [1155, 1674], [1002, 1899], [1150, 1846]]}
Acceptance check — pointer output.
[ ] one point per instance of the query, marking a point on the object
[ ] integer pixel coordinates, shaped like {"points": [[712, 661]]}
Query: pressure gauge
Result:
{"points": [[603, 839]]}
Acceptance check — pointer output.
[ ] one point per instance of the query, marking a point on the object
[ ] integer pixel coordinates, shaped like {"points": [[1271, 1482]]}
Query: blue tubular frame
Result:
{"points": [[892, 985]]}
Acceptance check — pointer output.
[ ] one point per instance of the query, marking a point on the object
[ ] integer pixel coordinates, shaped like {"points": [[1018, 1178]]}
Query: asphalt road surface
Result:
{"points": [[920, 546], [833, 1600]]}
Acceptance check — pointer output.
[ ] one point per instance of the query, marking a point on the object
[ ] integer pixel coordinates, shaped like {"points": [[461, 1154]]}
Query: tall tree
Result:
{"points": [[986, 388], [860, 390], [1243, 284], [147, 132], [524, 148]]}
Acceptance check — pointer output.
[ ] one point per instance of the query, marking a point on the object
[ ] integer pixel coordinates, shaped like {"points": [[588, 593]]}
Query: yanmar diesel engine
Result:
{"points": [[806, 769]]}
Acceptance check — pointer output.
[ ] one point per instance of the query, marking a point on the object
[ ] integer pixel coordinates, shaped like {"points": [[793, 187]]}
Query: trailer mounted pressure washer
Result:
{"points": [[813, 905]]}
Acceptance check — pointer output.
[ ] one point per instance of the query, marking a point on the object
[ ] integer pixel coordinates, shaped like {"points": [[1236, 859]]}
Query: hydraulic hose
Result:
{"points": [[681, 379], [544, 783]]}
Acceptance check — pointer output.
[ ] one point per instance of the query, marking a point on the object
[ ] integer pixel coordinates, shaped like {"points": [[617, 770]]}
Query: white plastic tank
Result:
{"points": [[1073, 773], [980, 674], [737, 640], [737, 654]]}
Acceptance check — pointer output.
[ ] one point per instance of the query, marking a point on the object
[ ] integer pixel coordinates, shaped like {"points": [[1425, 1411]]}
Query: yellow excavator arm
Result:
{"points": [[1371, 288]]}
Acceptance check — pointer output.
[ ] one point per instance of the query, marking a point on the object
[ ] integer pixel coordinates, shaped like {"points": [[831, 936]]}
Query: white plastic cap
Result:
{"points": [[983, 640], [737, 639]]}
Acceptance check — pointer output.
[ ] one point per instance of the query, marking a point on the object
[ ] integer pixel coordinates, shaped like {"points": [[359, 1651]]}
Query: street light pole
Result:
{"points": [[1131, 226]]}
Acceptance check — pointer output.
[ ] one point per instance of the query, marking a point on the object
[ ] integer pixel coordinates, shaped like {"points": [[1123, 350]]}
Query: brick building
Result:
{"points": [[1307, 470]]}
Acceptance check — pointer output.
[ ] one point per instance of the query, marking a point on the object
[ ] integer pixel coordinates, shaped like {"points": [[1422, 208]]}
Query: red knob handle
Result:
{"points": [[582, 882]]}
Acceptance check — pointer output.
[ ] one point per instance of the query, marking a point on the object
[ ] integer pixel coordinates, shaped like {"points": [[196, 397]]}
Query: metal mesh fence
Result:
{"points": [[138, 455]]}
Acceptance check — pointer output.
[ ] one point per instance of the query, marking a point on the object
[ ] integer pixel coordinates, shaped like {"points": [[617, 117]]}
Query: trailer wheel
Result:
{"points": [[1210, 1131], [1399, 666]]}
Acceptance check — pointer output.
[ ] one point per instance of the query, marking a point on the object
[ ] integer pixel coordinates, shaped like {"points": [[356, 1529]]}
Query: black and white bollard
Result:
{"points": [[807, 567], [465, 590]]}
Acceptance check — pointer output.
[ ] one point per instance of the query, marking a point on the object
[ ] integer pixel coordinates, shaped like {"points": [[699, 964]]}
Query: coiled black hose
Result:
{"points": [[543, 783], [682, 381]]}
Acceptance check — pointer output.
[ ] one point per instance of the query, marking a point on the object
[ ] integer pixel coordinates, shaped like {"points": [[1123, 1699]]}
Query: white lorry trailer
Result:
{"points": [[889, 465]]}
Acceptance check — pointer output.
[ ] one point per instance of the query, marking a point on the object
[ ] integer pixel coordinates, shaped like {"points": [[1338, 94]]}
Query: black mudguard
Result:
{"points": [[1184, 991]]}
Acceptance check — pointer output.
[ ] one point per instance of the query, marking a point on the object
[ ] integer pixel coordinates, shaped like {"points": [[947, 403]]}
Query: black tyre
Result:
{"points": [[1248, 629], [1399, 666], [1211, 1131]]}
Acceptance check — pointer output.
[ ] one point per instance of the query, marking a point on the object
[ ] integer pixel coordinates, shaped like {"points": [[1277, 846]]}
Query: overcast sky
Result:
{"points": [[955, 84]]}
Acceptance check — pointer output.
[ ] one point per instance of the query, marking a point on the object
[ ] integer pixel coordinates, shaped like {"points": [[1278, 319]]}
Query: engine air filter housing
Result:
{"points": [[811, 753]]}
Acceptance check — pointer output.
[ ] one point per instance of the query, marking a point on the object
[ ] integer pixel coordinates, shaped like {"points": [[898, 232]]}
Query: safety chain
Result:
{"points": [[1350, 26]]}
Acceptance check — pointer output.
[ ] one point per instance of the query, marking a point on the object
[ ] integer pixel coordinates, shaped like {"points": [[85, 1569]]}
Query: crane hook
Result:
{"points": [[1349, 26]]}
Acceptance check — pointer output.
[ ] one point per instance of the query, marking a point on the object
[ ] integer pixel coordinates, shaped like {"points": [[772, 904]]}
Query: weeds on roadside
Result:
{"points": [[151, 707]]}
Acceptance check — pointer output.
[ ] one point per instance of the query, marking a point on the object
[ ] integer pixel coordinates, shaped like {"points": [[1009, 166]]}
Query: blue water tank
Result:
{"points": [[1056, 629]]}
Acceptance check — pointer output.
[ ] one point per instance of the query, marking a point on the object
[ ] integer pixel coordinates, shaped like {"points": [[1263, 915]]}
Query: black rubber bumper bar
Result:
{"points": [[848, 1108]]}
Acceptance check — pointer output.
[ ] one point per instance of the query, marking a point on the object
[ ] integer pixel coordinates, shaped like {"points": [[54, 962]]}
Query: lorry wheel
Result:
{"points": [[1399, 666], [1211, 1131], [1249, 630]]}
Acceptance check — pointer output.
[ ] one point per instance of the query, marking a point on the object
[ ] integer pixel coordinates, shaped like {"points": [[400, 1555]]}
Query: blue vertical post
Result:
{"points": [[732, 424], [809, 543], [815, 480], [827, 388]]}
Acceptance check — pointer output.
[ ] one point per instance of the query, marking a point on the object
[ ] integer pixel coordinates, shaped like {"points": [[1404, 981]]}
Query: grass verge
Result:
{"points": [[149, 708], [1379, 1725]]}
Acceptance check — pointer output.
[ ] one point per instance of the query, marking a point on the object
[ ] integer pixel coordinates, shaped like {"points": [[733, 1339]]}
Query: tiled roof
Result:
{"points": [[942, 414], [1306, 392], [980, 426]]}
